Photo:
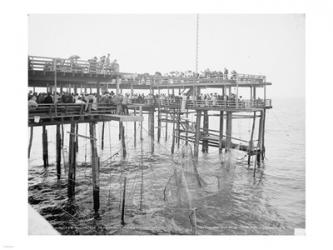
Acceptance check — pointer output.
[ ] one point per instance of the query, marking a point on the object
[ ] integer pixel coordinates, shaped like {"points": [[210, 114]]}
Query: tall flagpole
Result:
{"points": [[196, 57]]}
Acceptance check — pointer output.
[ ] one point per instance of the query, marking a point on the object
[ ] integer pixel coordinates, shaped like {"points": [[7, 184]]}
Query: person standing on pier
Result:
{"points": [[226, 73]]}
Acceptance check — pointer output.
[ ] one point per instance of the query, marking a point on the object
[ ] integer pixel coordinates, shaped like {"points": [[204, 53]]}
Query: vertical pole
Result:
{"points": [[151, 128], [62, 135], [30, 140], [119, 130], [187, 127], [251, 139], [158, 125], [173, 133], [197, 135], [260, 137], [58, 151], [140, 110], [221, 131], [123, 204], [55, 86], [71, 163], [94, 165], [134, 129], [166, 125], [263, 134], [122, 133], [205, 132], [229, 131], [178, 128], [102, 143], [76, 137], [45, 148]]}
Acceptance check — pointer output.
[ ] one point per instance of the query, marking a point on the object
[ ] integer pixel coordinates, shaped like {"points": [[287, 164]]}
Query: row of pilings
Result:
{"points": [[180, 126]]}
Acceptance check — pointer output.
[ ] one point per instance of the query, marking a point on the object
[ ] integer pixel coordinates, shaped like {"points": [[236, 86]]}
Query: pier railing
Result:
{"points": [[232, 104]]}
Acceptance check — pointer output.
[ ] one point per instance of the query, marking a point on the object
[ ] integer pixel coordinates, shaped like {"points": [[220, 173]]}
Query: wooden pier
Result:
{"points": [[166, 110]]}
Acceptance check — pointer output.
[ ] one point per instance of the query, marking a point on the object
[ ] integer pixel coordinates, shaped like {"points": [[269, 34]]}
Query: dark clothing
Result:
{"points": [[48, 99]]}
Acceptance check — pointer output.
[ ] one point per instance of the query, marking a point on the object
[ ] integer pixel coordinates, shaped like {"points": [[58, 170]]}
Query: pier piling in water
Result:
{"points": [[158, 125], [123, 143], [197, 135], [94, 165], [221, 131], [228, 131], [71, 163], [123, 204], [45, 148], [30, 140], [102, 141], [205, 132], [58, 151]]}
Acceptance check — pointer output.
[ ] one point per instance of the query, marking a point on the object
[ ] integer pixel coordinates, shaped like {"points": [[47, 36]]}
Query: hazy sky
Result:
{"points": [[273, 45]]}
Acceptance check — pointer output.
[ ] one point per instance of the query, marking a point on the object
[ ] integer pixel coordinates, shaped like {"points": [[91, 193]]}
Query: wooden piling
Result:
{"points": [[30, 140], [251, 139], [263, 134], [151, 131], [94, 165], [76, 137], [58, 151], [102, 141], [205, 131], [187, 128], [45, 148], [141, 123], [221, 131], [123, 204], [260, 137], [197, 135], [123, 144], [228, 131], [178, 128], [166, 125], [158, 125], [71, 163], [173, 133], [134, 129]]}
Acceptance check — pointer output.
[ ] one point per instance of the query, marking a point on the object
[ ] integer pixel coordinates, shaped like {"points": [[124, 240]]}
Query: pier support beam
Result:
{"points": [[122, 134], [260, 138], [45, 148], [173, 132], [158, 125], [197, 135], [228, 131], [251, 139], [166, 125], [71, 163], [30, 140], [94, 165], [151, 128], [102, 142], [58, 151], [178, 128], [205, 131], [221, 131], [134, 129]]}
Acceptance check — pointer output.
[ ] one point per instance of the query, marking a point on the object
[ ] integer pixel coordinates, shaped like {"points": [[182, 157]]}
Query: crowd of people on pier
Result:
{"points": [[102, 65], [121, 101]]}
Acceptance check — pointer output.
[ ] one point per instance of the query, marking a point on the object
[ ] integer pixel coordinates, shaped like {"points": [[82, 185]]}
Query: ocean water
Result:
{"points": [[169, 194]]}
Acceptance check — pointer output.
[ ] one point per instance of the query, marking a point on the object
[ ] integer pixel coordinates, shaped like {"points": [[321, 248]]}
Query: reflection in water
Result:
{"points": [[166, 194]]}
